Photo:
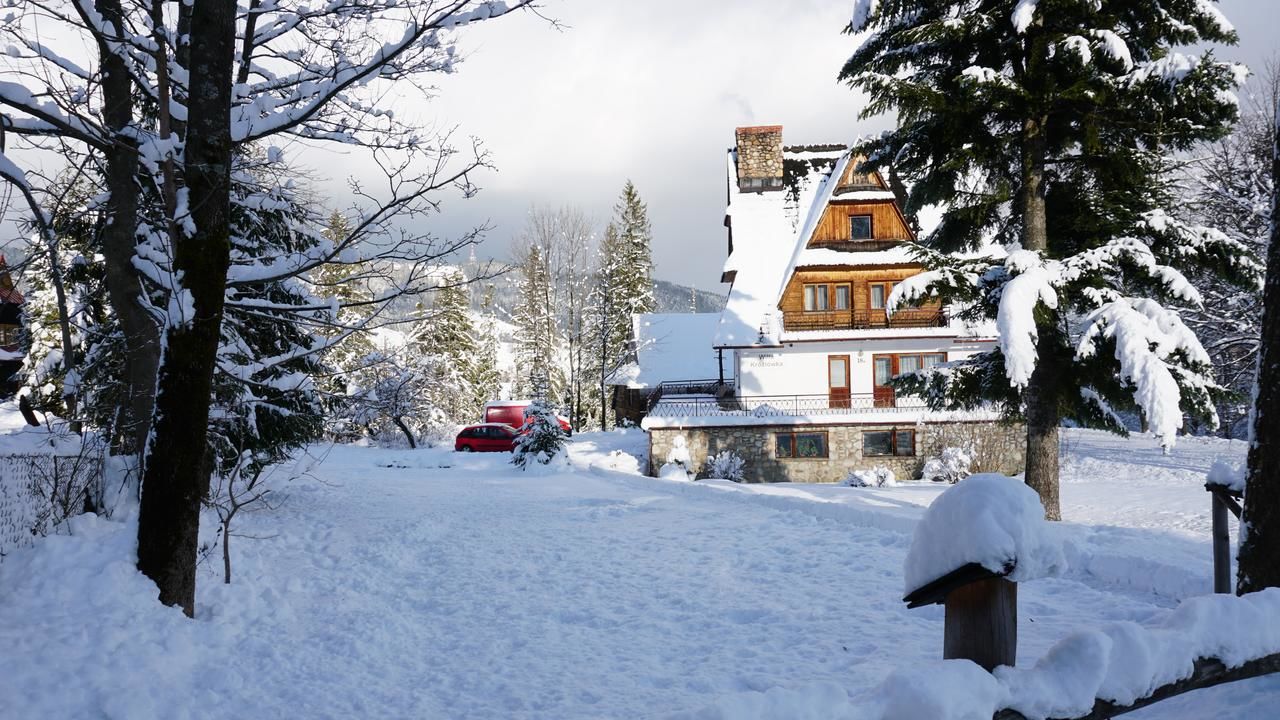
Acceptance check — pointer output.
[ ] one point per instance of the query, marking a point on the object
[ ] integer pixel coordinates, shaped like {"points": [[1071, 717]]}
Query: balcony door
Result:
{"points": [[838, 381], [882, 366]]}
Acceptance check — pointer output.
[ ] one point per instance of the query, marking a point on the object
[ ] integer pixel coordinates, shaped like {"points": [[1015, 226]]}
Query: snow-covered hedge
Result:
{"points": [[726, 465], [952, 466], [878, 476]]}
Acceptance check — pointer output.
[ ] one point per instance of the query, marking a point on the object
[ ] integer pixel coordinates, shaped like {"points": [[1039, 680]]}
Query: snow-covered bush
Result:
{"points": [[878, 476], [678, 460], [541, 439], [952, 466], [726, 465]]}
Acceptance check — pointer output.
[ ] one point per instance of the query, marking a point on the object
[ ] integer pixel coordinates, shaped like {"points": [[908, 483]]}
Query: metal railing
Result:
{"points": [[862, 319], [684, 387], [781, 405]]}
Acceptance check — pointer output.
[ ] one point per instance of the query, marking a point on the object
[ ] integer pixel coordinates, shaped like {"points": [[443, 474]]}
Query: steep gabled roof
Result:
{"points": [[765, 227]]}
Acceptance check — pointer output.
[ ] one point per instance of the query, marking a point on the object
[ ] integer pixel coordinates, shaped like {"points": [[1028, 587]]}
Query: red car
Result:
{"points": [[486, 437]]}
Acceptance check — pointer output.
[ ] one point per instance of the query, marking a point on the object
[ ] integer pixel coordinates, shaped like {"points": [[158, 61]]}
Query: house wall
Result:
{"points": [[801, 368], [999, 447], [886, 223], [793, 295]]}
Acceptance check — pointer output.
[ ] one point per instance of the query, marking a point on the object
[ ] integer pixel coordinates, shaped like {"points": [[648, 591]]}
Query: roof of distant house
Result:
{"points": [[671, 347]]}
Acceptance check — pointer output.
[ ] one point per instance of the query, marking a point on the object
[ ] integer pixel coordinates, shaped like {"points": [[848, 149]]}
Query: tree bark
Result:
{"points": [[1040, 395], [1259, 558], [119, 242], [413, 444], [176, 476]]}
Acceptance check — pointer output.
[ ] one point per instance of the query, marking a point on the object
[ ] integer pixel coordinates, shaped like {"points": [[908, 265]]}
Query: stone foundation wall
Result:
{"points": [[998, 447]]}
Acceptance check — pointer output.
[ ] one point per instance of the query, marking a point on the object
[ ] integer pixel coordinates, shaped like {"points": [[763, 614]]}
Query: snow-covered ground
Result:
{"points": [[429, 584]]}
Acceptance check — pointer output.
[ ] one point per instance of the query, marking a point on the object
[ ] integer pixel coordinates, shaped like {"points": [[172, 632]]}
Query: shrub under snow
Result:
{"points": [[878, 476], [950, 467], [726, 465]]}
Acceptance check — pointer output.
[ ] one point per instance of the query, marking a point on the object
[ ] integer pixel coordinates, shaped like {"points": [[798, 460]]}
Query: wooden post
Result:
{"points": [[982, 623], [1221, 545]]}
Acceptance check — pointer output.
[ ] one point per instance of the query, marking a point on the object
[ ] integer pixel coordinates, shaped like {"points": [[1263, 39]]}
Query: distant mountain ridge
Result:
{"points": [[668, 297]]}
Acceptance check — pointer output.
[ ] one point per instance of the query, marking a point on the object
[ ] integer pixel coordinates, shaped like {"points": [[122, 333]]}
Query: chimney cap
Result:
{"points": [[759, 129]]}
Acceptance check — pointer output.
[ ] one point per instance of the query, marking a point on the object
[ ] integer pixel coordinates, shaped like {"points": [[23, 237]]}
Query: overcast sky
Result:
{"points": [[652, 91]]}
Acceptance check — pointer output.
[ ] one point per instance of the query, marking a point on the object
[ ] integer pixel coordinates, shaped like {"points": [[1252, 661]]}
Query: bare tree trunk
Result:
{"points": [[413, 444], [176, 476], [1040, 396], [119, 241], [1260, 537]]}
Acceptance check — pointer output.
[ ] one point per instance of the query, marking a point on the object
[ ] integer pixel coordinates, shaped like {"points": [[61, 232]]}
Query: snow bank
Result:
{"points": [[1120, 663], [989, 519]]}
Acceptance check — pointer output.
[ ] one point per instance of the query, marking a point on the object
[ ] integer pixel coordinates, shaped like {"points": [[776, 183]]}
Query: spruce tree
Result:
{"points": [[1042, 126], [445, 340], [535, 323], [634, 286]]}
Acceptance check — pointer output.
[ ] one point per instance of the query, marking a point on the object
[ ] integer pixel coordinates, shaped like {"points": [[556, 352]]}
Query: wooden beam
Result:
{"points": [[1221, 546], [1208, 672]]}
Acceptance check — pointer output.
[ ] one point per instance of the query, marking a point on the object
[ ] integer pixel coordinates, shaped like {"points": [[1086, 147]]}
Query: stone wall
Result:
{"points": [[999, 447], [759, 152]]}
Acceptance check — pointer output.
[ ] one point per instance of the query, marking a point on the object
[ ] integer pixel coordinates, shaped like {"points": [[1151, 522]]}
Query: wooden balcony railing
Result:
{"points": [[863, 319], [856, 246]]}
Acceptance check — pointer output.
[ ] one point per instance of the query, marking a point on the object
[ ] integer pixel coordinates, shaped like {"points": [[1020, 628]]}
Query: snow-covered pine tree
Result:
{"points": [[536, 335], [484, 378], [634, 286], [1228, 186], [1260, 525], [445, 345], [541, 438], [1041, 125]]}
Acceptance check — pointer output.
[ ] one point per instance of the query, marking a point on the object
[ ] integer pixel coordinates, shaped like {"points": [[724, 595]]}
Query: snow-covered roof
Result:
{"points": [[770, 237], [671, 347], [766, 229]]}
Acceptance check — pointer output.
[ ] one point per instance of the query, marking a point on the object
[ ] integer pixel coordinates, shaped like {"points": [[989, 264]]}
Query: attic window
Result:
{"points": [[758, 184], [860, 227]]}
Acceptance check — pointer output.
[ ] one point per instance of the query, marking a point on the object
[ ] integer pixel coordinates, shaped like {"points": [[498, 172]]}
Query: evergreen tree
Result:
{"points": [[535, 323], [541, 437], [445, 340], [484, 379], [634, 277], [1043, 126]]}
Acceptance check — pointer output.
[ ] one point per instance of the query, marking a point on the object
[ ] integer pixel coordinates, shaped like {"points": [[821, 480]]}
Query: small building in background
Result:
{"points": [[11, 355], [673, 358]]}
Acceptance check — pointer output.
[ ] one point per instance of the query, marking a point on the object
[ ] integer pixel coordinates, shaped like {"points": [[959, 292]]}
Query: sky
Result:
{"points": [[652, 91]]}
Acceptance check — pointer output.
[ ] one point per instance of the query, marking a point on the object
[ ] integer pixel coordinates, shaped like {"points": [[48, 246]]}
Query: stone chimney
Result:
{"points": [[759, 158]]}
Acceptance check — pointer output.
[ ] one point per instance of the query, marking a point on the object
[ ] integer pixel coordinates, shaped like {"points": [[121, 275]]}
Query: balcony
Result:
{"points": [[793, 320], [780, 405], [856, 246]]}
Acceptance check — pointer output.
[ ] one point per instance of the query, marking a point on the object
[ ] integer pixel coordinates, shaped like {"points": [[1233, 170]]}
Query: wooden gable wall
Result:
{"points": [[886, 222], [860, 279]]}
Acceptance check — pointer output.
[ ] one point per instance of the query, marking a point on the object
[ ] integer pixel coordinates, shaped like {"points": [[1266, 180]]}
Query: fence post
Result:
{"points": [[981, 623], [1221, 545]]}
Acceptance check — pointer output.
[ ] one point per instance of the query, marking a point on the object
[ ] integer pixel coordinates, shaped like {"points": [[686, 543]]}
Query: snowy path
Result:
{"points": [[476, 592]]}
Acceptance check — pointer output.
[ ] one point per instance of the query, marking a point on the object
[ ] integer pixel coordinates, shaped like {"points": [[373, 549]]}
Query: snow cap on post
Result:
{"points": [[987, 524]]}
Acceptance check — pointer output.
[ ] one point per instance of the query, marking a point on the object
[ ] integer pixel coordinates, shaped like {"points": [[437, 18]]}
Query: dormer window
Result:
{"points": [[860, 227]]}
